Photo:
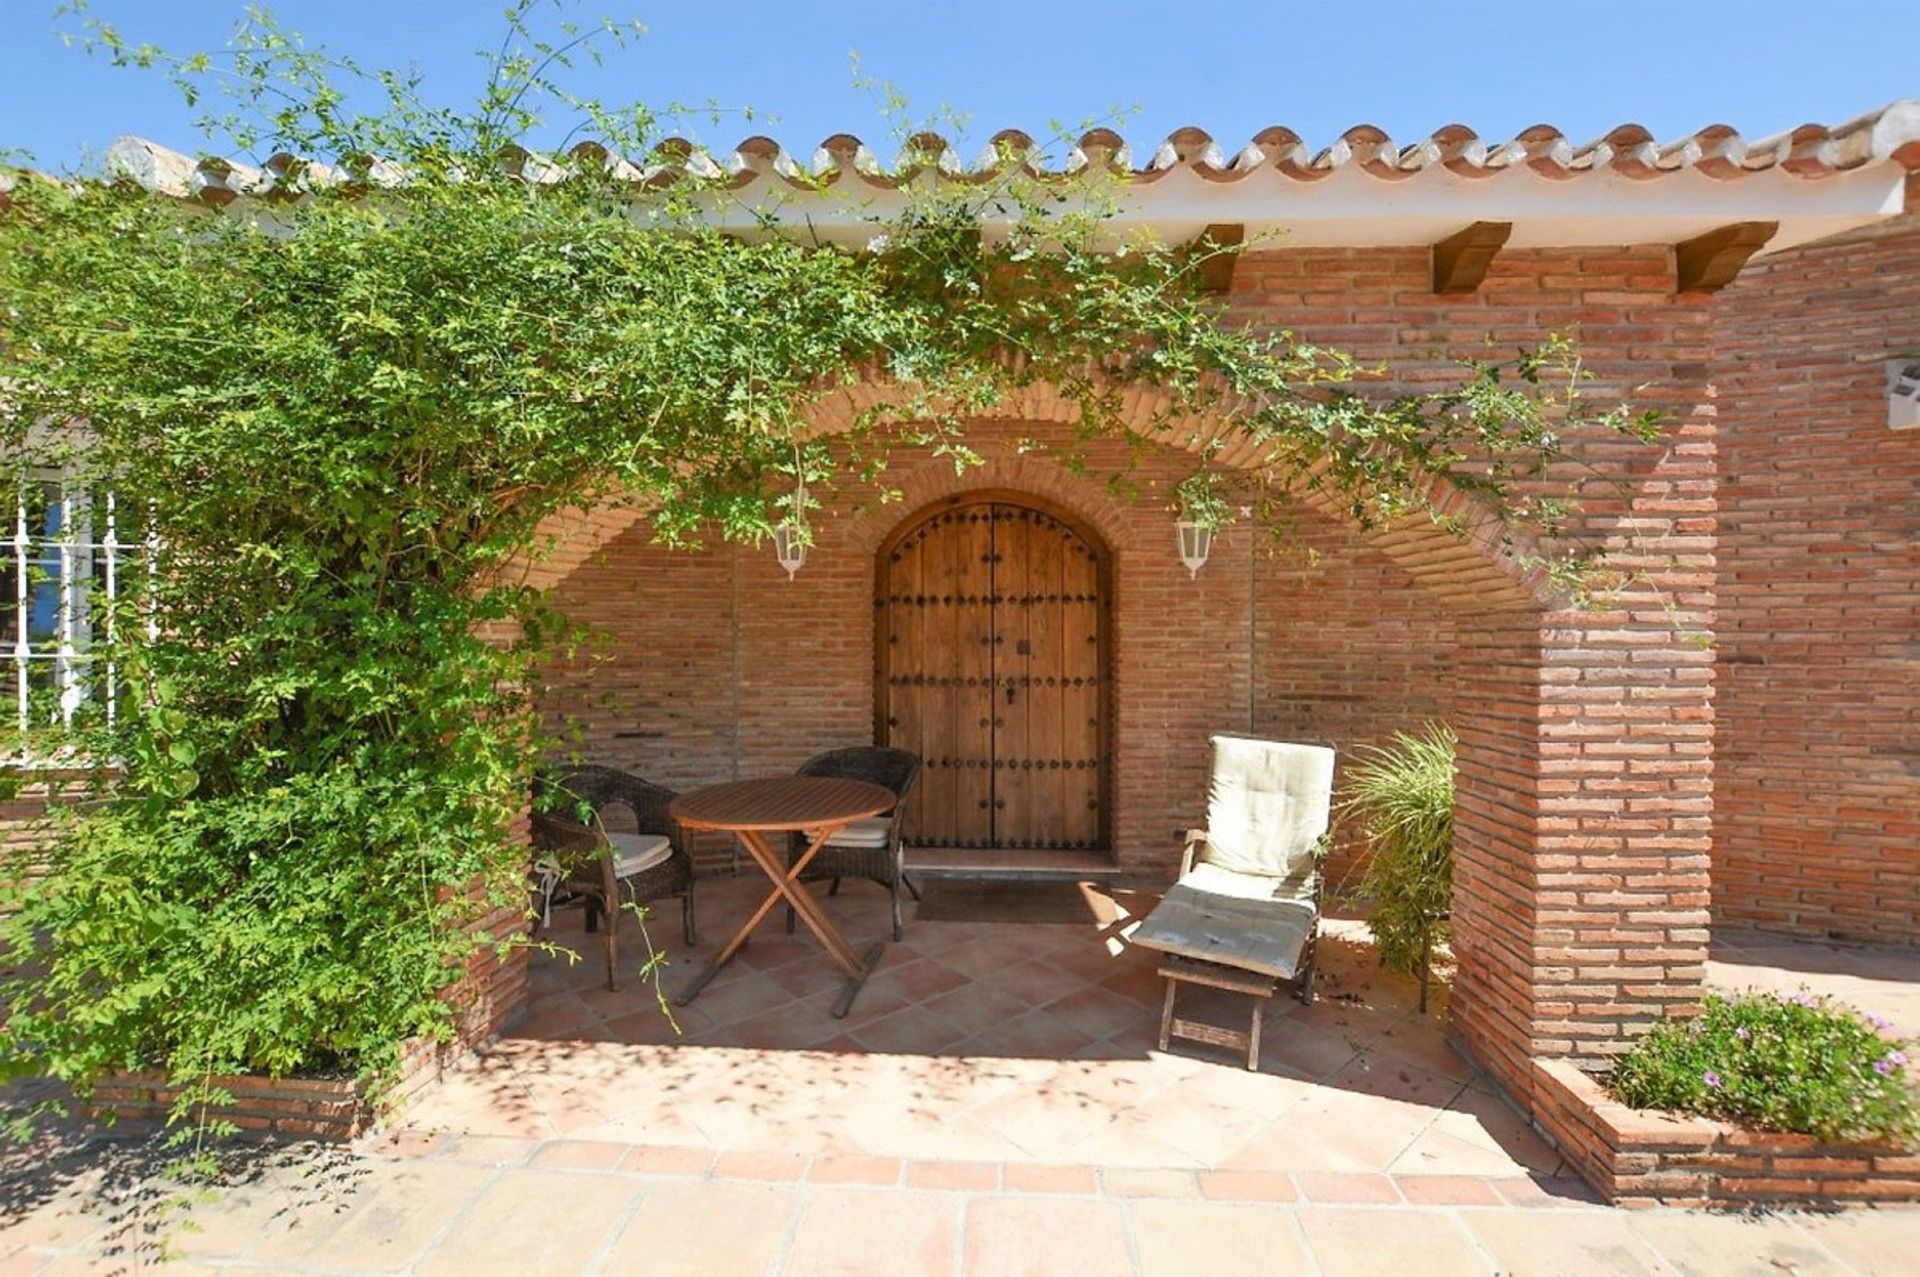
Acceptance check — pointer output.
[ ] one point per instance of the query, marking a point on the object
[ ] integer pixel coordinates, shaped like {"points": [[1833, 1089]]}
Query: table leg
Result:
{"points": [[786, 883], [858, 980]]}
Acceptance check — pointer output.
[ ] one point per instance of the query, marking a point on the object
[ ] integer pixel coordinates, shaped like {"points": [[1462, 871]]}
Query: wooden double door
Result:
{"points": [[991, 654]]}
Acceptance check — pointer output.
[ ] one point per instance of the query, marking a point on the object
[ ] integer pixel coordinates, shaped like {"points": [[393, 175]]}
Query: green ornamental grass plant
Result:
{"points": [[1402, 794], [1800, 1063]]}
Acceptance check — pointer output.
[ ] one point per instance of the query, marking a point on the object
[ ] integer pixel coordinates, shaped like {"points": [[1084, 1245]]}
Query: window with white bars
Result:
{"points": [[62, 579]]}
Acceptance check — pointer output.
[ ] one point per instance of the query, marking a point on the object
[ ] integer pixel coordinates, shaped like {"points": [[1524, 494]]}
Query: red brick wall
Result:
{"points": [[1587, 735], [714, 665], [1348, 650], [1818, 826]]}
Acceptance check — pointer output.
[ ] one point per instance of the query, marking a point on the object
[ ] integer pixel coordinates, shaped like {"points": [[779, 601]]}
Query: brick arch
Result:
{"points": [[1483, 567], [1584, 797]]}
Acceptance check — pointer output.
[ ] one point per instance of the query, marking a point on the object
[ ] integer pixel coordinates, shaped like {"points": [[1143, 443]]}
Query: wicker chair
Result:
{"points": [[603, 870], [868, 848]]}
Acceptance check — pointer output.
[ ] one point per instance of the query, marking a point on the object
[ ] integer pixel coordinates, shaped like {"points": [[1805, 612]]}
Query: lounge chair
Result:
{"points": [[1246, 910]]}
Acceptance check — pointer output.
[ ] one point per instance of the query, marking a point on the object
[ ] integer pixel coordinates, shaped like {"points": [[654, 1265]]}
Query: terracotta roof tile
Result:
{"points": [[1812, 151]]}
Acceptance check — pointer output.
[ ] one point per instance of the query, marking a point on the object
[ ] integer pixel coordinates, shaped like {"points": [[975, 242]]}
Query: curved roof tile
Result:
{"points": [[1811, 151]]}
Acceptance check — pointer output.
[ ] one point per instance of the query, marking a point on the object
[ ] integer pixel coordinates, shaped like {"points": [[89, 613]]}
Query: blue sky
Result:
{"points": [[1231, 68]]}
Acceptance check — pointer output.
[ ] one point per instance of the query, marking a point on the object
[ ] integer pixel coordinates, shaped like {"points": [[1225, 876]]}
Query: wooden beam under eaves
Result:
{"points": [[1707, 263], [1460, 261], [1216, 267]]}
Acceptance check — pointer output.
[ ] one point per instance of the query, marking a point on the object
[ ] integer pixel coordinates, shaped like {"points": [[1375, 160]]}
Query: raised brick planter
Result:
{"points": [[1639, 1158], [489, 996]]}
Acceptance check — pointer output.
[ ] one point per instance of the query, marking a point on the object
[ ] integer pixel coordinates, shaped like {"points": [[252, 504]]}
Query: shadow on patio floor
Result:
{"points": [[1012, 1042]]}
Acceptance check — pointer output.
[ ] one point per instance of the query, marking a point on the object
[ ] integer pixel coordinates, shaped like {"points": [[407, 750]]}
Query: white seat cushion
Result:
{"points": [[637, 853], [870, 832]]}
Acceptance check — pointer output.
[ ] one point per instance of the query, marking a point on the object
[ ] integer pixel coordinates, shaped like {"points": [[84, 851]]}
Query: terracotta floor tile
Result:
{"points": [[1378, 1074], [1036, 983], [1249, 1186], [916, 980], [1137, 1182], [1448, 1190], [1879, 1243], [1097, 1012], [1180, 1239], [759, 1166], [491, 1150], [1419, 1041], [915, 1030], [963, 1177], [1044, 1237], [1486, 1121], [531, 1221], [981, 956], [1350, 1134], [666, 1159], [854, 1169], [851, 1232], [1330, 1188], [1035, 1034], [1206, 1134], [580, 1155], [976, 1008], [1043, 1122], [750, 995], [1439, 1152], [1586, 1242], [1079, 1181], [1700, 1244], [1360, 1243], [699, 1228], [1558, 1192], [383, 1222], [794, 1025]]}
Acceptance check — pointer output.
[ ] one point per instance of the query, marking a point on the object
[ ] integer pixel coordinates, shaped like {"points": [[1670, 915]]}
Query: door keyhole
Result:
{"points": [[1010, 691]]}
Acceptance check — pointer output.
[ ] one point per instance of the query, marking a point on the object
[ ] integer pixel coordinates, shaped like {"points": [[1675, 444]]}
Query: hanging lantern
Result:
{"points": [[790, 546], [790, 536], [1196, 543]]}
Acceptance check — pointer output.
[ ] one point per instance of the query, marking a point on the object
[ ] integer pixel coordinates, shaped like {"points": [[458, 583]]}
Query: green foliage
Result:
{"points": [[1403, 796], [350, 413], [1798, 1063]]}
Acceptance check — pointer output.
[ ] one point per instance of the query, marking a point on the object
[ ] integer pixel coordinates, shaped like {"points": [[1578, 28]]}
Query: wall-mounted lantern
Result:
{"points": [[1196, 543], [1903, 393]]}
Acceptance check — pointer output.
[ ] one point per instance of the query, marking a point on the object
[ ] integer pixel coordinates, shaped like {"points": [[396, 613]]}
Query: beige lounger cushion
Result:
{"points": [[1269, 936], [1267, 806]]}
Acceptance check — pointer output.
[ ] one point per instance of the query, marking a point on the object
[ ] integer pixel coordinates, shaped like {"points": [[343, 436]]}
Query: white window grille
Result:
{"points": [[60, 583]]}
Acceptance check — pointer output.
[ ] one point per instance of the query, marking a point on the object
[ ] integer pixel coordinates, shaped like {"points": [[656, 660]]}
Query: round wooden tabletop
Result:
{"points": [[781, 802]]}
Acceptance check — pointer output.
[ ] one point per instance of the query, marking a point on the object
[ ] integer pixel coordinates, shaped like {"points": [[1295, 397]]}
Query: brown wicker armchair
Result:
{"points": [[868, 848], [602, 870]]}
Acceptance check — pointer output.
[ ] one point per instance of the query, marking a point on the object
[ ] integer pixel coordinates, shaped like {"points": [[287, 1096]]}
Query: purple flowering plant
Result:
{"points": [[1797, 1062]]}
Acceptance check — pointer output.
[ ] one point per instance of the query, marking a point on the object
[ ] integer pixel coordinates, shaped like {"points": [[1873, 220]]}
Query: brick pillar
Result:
{"points": [[1586, 803], [1496, 832]]}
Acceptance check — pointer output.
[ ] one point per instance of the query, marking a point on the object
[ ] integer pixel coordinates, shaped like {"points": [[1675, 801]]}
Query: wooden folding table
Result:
{"points": [[750, 810]]}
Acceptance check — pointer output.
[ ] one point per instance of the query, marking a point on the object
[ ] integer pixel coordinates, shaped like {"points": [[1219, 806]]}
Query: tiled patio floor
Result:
{"points": [[996, 1043], [993, 1107]]}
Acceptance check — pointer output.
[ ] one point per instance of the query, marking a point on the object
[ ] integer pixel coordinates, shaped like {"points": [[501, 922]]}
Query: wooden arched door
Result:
{"points": [[991, 656]]}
